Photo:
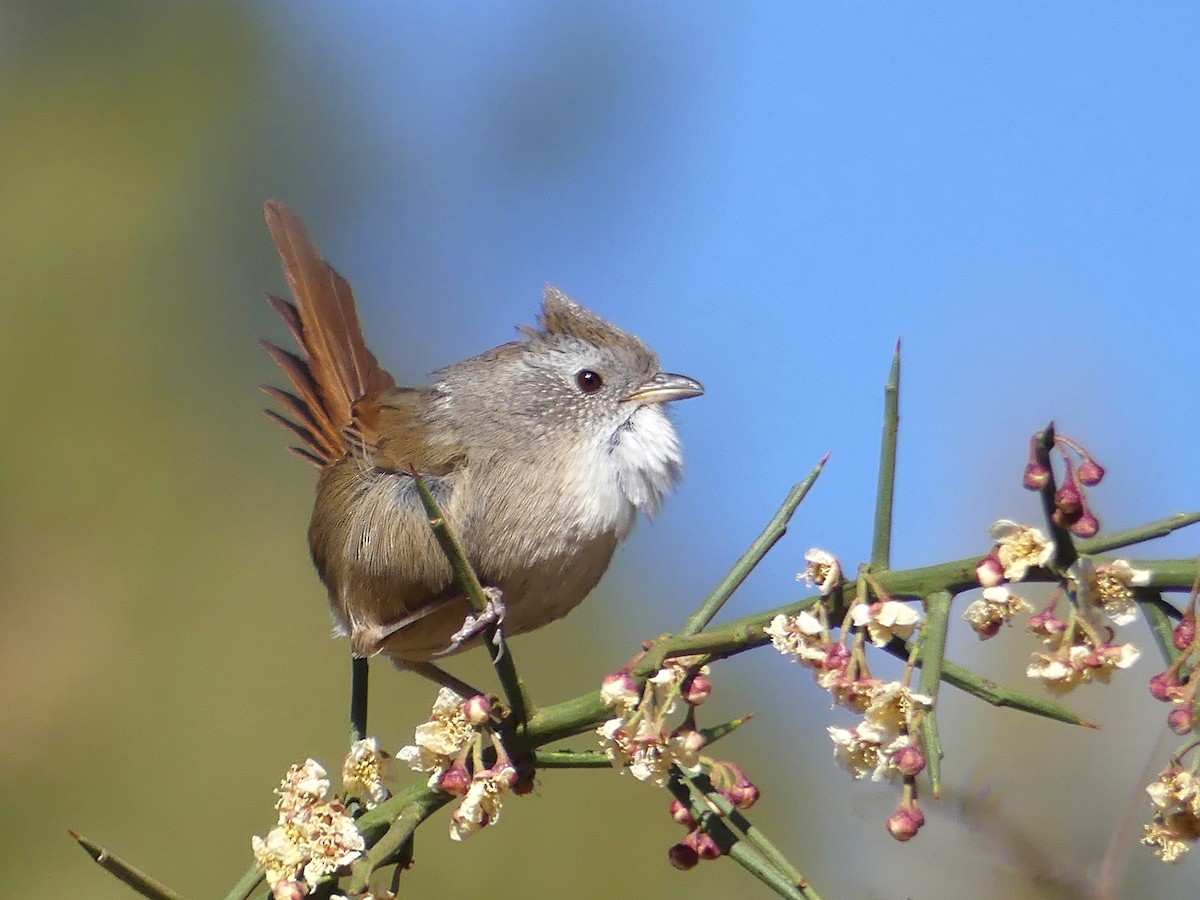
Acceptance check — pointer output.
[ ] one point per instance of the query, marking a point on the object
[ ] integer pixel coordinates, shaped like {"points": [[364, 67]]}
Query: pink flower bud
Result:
{"points": [[681, 814], [1046, 624], [1091, 472], [1085, 526], [1184, 634], [683, 857], [455, 780], [1162, 686], [989, 572], [478, 710], [1068, 500], [1180, 720], [289, 890], [1036, 477], [905, 822], [703, 844], [910, 761], [525, 781], [837, 657], [697, 688], [986, 630]]}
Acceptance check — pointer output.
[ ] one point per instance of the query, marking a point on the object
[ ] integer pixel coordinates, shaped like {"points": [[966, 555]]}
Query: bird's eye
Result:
{"points": [[589, 382]]}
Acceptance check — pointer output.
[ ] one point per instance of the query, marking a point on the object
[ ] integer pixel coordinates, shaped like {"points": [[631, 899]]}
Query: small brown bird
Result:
{"points": [[540, 453]]}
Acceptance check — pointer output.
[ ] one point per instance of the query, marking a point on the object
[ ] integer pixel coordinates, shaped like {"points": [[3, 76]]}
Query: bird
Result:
{"points": [[541, 453]]}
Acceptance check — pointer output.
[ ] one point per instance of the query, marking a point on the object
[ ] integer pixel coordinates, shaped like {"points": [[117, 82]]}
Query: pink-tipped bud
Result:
{"points": [[619, 688], [289, 890], [1085, 526], [478, 710], [681, 814], [1163, 686], [455, 780], [989, 572], [905, 822], [1046, 624], [1181, 720], [1090, 472], [910, 761], [743, 795], [683, 857], [697, 689], [837, 657], [703, 844], [1036, 477], [1184, 634], [1068, 500]]}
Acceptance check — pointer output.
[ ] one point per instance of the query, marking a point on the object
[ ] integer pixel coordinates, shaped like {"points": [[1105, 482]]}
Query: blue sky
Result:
{"points": [[771, 195]]}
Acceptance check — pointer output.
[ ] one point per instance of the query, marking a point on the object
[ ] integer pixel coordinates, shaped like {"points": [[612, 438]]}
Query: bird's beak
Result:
{"points": [[665, 387]]}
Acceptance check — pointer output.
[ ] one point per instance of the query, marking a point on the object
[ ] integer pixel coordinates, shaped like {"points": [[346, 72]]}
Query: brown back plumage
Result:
{"points": [[335, 369]]}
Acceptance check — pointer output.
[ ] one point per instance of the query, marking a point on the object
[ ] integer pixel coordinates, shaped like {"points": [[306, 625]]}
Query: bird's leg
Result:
{"points": [[438, 675]]}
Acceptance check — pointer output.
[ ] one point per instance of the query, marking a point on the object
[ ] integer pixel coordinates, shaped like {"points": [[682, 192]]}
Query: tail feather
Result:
{"points": [[335, 368]]}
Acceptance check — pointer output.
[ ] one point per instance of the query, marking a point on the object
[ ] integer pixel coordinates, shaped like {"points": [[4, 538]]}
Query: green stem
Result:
{"points": [[775, 529], [126, 873], [506, 671], [1118, 539], [1155, 609], [247, 884], [933, 654], [572, 759], [881, 542], [1064, 544], [398, 832]]}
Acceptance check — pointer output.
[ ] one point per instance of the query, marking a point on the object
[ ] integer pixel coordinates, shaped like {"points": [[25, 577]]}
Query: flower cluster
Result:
{"points": [[883, 744], [1175, 795], [1071, 510], [314, 837], [1083, 647], [640, 740], [450, 747]]}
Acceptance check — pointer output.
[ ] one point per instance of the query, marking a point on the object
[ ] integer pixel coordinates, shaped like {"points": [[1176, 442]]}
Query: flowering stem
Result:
{"points": [[881, 542], [1064, 544], [739, 851], [704, 785], [775, 529], [137, 879], [506, 671], [399, 832], [932, 656]]}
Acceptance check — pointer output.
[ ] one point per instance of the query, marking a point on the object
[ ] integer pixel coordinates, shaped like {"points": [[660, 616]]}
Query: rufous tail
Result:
{"points": [[334, 369]]}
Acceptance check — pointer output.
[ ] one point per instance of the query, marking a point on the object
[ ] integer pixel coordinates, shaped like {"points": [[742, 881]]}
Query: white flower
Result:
{"points": [[278, 854], [481, 806], [996, 606], [894, 708], [1020, 547], [303, 785], [824, 572], [885, 620], [1109, 586], [801, 636], [439, 740], [330, 839], [364, 771]]}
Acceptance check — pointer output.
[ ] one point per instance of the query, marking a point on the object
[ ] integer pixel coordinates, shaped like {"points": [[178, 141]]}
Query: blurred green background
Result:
{"points": [[165, 649]]}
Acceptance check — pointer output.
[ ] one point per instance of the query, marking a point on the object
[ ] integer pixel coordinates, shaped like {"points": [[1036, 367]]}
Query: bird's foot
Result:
{"points": [[477, 623]]}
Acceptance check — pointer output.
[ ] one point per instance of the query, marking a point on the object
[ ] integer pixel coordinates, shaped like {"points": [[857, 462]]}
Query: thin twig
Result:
{"points": [[359, 682], [775, 529], [126, 873], [933, 654], [881, 541]]}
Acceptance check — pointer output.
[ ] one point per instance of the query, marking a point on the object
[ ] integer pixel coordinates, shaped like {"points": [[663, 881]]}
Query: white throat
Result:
{"points": [[631, 470]]}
